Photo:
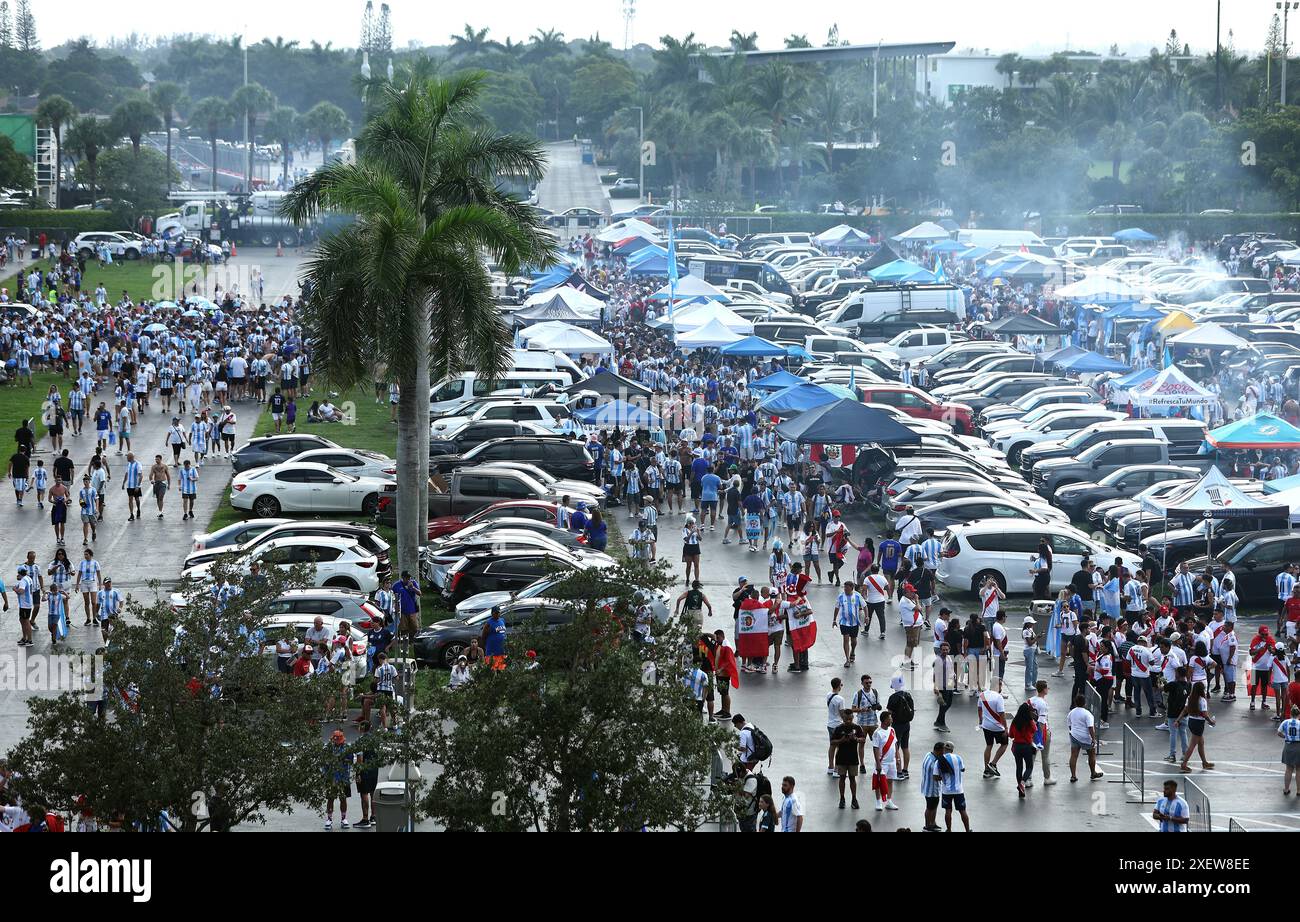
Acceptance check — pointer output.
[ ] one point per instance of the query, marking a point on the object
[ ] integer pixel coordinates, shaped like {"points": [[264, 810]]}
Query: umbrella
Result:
{"points": [[1092, 363], [801, 397], [156, 328], [166, 305], [847, 422], [191, 314], [926, 230]]}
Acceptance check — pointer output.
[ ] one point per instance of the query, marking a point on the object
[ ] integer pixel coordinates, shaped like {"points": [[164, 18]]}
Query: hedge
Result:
{"points": [[58, 223]]}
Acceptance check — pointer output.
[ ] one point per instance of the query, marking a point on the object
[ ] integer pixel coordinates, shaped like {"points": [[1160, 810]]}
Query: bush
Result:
{"points": [[57, 223]]}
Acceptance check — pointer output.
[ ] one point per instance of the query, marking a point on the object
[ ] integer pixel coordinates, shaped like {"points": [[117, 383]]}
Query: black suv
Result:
{"points": [[561, 457], [480, 431], [500, 571], [1256, 560], [441, 643]]}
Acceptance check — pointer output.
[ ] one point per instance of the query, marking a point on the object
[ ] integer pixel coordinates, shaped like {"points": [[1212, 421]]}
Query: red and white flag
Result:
{"points": [[803, 626], [751, 637]]}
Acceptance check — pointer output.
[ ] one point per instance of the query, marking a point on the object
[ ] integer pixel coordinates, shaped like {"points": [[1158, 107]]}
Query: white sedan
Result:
{"points": [[356, 461], [338, 563], [305, 486]]}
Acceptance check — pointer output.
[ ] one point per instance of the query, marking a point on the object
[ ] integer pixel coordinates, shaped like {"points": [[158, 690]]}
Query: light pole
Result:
{"points": [[248, 151], [640, 153], [1286, 7]]}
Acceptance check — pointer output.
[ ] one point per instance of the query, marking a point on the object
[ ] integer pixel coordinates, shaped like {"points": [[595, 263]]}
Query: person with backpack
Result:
{"points": [[889, 554], [749, 801], [754, 744], [901, 705]]}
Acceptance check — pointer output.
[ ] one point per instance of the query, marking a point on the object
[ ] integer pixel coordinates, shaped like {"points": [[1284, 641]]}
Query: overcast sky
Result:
{"points": [[1002, 25]]}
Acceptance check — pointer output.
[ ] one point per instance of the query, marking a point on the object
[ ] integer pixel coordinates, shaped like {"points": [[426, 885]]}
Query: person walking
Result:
{"points": [[188, 476], [132, 484], [1289, 732], [953, 791], [945, 684], [834, 706], [1029, 637], [89, 582], [932, 786], [88, 499], [1043, 739], [884, 747], [1083, 736], [108, 604], [992, 709], [849, 606], [160, 480], [1197, 712], [901, 705], [847, 740]]}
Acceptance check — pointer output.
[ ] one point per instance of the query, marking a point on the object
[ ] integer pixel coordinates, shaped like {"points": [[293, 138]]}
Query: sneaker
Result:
{"points": [[722, 715], [943, 728], [879, 804], [1028, 784], [1096, 775], [996, 773], [329, 824], [830, 772], [343, 824], [855, 803], [890, 805], [1163, 725], [841, 803], [988, 772], [1047, 781]]}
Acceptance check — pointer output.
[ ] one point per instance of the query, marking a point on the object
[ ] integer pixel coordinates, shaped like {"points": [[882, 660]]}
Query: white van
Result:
{"points": [[452, 394]]}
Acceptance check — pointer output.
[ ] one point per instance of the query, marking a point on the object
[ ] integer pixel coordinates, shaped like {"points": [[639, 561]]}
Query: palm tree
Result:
{"points": [[1060, 104], [134, 118], [251, 100], [547, 43], [1007, 66], [743, 41], [88, 137], [168, 97], [404, 286], [675, 61], [471, 42], [325, 122], [284, 125], [56, 111], [797, 40], [211, 116]]}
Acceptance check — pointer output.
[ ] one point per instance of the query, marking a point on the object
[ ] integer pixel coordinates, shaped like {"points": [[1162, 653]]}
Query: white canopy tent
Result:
{"points": [[1100, 288], [831, 236], [926, 230], [694, 316], [580, 301], [631, 227], [1170, 388], [1210, 336], [1213, 497], [712, 335], [563, 337], [690, 286]]}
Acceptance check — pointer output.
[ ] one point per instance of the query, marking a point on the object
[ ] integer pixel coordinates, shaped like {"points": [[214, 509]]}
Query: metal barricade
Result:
{"points": [[1234, 826], [1133, 763], [1199, 817], [1092, 700]]}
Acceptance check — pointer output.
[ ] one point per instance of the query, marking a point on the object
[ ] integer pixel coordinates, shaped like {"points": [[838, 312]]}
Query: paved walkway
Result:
{"points": [[132, 553]]}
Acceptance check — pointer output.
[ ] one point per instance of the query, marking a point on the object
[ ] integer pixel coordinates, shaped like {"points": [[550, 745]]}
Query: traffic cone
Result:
{"points": [[279, 248], [233, 253]]}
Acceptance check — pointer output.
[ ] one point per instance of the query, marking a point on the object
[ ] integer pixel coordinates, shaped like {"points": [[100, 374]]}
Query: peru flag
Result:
{"points": [[803, 627], [751, 637]]}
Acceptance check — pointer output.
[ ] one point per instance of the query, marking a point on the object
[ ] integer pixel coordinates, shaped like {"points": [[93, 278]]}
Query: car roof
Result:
{"points": [[264, 439], [325, 540], [322, 593]]}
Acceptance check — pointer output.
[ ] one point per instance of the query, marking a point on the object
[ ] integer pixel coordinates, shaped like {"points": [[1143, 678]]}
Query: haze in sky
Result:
{"points": [[1025, 26]]}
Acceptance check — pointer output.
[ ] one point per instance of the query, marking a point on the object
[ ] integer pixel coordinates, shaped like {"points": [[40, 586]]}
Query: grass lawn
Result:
{"points": [[19, 402], [140, 279]]}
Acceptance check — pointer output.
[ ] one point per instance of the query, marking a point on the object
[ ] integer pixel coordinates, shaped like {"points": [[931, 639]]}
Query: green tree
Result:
{"points": [[211, 116], [285, 126], [25, 28], [545, 44], [88, 136], [472, 42], [1008, 65], [133, 119], [250, 101], [141, 178], [743, 41], [55, 112], [207, 713], [15, 168], [404, 285], [797, 41], [326, 123], [167, 97], [583, 741], [602, 86], [511, 103]]}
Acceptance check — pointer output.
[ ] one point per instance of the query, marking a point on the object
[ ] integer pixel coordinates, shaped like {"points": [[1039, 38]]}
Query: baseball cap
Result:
{"points": [[1029, 619]]}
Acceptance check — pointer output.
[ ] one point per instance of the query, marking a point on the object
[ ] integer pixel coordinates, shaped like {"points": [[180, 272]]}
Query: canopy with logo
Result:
{"points": [[1263, 430], [1170, 388], [1210, 498], [847, 422]]}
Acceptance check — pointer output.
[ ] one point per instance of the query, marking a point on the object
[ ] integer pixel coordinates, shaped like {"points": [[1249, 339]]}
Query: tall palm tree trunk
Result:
{"points": [[214, 163], [424, 333]]}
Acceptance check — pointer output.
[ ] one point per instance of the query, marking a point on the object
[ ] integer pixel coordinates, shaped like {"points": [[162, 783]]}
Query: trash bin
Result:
{"points": [[388, 804], [36, 253]]}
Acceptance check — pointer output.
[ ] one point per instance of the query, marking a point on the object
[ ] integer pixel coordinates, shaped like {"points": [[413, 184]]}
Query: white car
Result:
{"points": [[1011, 441], [356, 461], [304, 486], [338, 562], [1005, 549], [913, 345], [548, 414], [120, 245]]}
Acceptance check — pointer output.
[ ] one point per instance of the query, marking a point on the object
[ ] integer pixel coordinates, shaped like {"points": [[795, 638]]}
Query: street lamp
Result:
{"points": [[640, 153], [1286, 7]]}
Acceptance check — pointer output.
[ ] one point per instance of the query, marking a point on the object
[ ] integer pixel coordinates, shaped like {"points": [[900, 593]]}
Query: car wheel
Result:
{"points": [[1013, 453], [960, 428], [132, 254], [341, 582], [85, 253], [370, 504], [290, 239], [266, 507], [267, 239], [451, 652], [982, 575]]}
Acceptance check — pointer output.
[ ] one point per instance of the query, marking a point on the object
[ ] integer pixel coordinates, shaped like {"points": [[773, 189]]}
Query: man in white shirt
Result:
{"points": [[908, 527], [1083, 735], [791, 807], [909, 616], [998, 647], [834, 705], [993, 721]]}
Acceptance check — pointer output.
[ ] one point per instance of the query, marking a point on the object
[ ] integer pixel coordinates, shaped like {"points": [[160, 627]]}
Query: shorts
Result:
{"points": [[991, 736], [1196, 726], [931, 803], [695, 490], [1085, 745], [159, 490], [341, 789], [849, 630], [690, 550], [52, 620], [164, 392], [733, 519], [914, 636], [87, 515], [903, 730], [676, 487], [1291, 629], [792, 522], [847, 771], [20, 484], [134, 492], [24, 614], [409, 622], [955, 800], [367, 781], [709, 505]]}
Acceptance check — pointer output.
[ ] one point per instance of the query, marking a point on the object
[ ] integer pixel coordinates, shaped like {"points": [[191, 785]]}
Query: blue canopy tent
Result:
{"points": [[798, 352], [1263, 431], [777, 381], [618, 413], [1091, 363], [1282, 484], [1063, 354], [1134, 378], [800, 398], [576, 280], [653, 264], [1132, 310], [974, 253], [1134, 235], [847, 422], [856, 241], [947, 246], [753, 346], [551, 278], [901, 270], [633, 244]]}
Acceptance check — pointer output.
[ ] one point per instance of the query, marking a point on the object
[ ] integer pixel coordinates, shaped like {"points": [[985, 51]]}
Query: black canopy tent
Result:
{"points": [[846, 422], [1023, 325]]}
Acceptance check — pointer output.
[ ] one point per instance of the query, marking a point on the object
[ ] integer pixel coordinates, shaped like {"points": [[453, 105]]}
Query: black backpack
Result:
{"points": [[902, 707], [763, 786], [762, 745]]}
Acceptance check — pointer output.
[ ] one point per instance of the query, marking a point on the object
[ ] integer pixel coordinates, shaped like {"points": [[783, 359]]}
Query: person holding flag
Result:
{"points": [[56, 610], [802, 627], [751, 631]]}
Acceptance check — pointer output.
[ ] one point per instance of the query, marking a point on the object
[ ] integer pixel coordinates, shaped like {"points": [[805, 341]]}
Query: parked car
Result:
{"points": [[1004, 549], [336, 562], [441, 643], [470, 489], [1256, 559], [582, 217], [437, 558], [362, 534], [473, 434], [561, 457], [1096, 462], [233, 535], [940, 516], [486, 571], [624, 187], [357, 461], [273, 449], [537, 510], [307, 487], [1077, 499], [916, 402]]}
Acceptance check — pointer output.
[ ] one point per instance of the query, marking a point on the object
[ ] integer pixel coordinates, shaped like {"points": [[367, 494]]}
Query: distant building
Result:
{"points": [[945, 77]]}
